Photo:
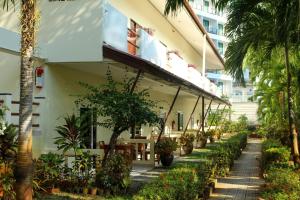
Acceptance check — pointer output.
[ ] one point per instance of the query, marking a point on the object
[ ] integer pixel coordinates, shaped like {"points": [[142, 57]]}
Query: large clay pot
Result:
{"points": [[166, 159], [201, 143], [187, 149]]}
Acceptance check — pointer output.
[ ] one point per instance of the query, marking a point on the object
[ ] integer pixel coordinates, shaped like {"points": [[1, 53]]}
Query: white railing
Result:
{"points": [[151, 49], [241, 98], [143, 151]]}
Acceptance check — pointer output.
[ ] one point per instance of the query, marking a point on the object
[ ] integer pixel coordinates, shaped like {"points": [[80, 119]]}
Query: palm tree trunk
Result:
{"points": [[292, 130], [24, 158]]}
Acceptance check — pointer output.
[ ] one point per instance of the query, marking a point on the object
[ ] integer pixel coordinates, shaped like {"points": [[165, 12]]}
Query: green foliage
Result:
{"points": [[118, 105], [180, 183], [165, 146], [188, 179], [274, 154], [115, 176], [223, 154], [85, 166], [8, 144], [187, 139], [48, 169], [7, 182], [70, 134], [282, 184]]}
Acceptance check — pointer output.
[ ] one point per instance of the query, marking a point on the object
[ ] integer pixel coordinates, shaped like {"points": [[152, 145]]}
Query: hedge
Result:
{"points": [[188, 180], [274, 154]]}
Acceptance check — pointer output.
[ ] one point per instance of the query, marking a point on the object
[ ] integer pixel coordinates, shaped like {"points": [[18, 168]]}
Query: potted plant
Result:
{"points": [[165, 148], [201, 140], [48, 169], [93, 188], [85, 165], [212, 135], [187, 143]]}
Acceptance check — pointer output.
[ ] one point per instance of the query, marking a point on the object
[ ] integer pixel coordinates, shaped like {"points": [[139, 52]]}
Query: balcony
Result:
{"points": [[142, 43]]}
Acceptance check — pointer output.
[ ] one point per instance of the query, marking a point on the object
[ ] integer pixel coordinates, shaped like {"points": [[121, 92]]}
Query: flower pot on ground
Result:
{"points": [[201, 141], [165, 148], [166, 159], [187, 143], [93, 191]]}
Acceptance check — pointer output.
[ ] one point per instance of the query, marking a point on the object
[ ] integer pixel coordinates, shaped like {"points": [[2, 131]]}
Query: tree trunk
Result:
{"points": [[292, 132], [24, 167], [111, 146]]}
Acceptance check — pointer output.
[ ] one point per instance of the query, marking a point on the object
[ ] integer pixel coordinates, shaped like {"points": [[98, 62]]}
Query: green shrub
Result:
{"points": [[282, 184], [115, 176], [188, 180], [274, 154], [180, 183]]}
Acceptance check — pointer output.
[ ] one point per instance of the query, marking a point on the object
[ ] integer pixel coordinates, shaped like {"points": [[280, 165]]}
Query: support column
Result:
{"points": [[7, 98], [221, 115], [187, 124], [204, 115], [168, 114], [213, 119], [135, 81], [204, 55]]}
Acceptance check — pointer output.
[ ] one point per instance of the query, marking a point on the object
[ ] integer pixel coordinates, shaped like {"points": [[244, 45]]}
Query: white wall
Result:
{"points": [[70, 31]]}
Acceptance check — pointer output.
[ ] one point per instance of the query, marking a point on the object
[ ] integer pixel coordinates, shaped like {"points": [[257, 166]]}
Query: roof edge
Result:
{"points": [[202, 29]]}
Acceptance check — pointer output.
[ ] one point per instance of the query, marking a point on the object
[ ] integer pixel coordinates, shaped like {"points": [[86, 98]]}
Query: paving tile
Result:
{"points": [[244, 181]]}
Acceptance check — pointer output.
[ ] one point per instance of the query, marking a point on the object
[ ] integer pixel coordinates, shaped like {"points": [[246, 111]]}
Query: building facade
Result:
{"points": [[241, 97], [78, 41]]}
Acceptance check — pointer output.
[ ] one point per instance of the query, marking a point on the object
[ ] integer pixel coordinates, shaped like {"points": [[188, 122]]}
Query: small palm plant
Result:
{"points": [[71, 134]]}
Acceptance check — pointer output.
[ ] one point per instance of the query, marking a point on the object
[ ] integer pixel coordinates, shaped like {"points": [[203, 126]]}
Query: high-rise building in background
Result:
{"points": [[241, 97]]}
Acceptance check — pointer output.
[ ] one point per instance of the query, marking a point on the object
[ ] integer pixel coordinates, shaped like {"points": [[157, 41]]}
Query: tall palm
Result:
{"points": [[23, 172], [258, 24]]}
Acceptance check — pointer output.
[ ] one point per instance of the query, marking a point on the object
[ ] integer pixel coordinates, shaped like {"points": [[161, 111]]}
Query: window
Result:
{"points": [[89, 117], [220, 29], [220, 48], [180, 121], [206, 24], [206, 6]]}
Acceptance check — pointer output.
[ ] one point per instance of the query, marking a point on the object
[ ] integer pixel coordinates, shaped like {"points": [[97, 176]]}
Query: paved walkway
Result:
{"points": [[244, 182]]}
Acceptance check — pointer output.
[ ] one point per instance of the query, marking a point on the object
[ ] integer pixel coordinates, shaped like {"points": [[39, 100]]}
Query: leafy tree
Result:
{"points": [[119, 107]]}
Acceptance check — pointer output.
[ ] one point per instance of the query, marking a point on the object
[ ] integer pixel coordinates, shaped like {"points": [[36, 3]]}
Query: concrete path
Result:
{"points": [[244, 181]]}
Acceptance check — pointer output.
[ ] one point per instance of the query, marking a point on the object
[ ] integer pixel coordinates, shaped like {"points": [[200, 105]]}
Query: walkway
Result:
{"points": [[244, 182]]}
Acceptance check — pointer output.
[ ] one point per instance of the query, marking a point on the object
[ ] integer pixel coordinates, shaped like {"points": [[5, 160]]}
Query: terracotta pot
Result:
{"points": [[201, 143], [54, 190], [1, 191], [187, 149], [93, 191], [166, 159]]}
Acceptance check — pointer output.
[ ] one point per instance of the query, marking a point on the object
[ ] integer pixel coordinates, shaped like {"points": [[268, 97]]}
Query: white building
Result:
{"points": [[241, 97]]}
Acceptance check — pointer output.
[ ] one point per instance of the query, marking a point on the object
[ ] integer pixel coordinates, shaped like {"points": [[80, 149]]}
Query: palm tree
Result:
{"points": [[259, 24], [24, 167]]}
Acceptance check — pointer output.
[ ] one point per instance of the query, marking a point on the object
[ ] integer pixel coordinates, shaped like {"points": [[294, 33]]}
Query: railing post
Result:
{"points": [[187, 124], [169, 112], [7, 98]]}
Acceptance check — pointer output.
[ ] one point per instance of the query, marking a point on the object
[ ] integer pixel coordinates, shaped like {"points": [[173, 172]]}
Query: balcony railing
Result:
{"points": [[140, 43], [209, 10]]}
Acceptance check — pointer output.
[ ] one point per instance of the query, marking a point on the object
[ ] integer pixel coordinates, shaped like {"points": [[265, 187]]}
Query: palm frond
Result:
{"points": [[172, 6], [6, 3]]}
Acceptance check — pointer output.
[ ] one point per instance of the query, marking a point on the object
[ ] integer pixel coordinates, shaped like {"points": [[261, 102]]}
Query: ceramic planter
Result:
{"points": [[166, 159], [187, 149]]}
